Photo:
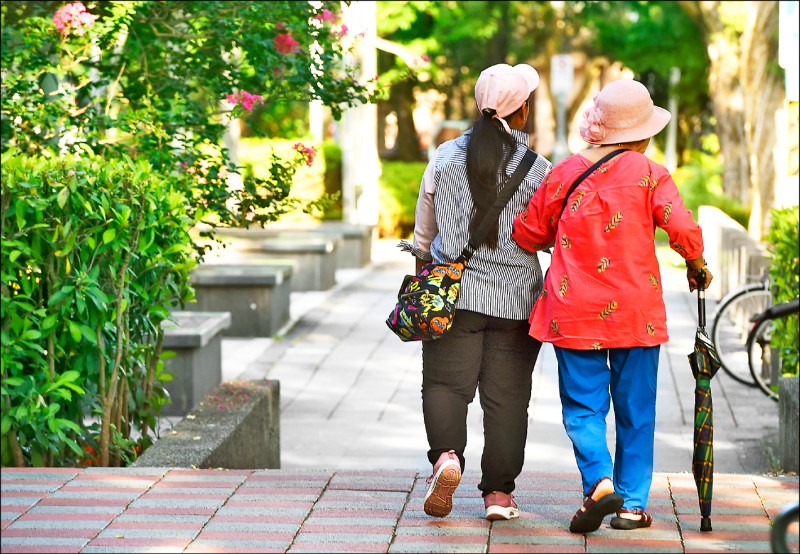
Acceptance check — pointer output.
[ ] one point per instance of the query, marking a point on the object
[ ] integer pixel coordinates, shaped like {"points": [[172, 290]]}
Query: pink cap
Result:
{"points": [[504, 88]]}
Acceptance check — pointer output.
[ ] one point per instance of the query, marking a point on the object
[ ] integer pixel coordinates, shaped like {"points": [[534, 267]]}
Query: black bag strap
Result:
{"points": [[503, 197], [585, 174]]}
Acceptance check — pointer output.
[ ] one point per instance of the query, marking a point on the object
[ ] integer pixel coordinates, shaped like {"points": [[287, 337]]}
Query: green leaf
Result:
{"points": [[49, 322], [14, 255], [62, 197], [69, 376], [73, 445], [109, 235], [5, 425], [60, 294], [19, 210], [74, 330], [31, 334], [69, 424]]}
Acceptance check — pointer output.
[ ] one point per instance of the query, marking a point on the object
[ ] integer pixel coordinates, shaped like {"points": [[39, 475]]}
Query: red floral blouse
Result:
{"points": [[603, 288]]}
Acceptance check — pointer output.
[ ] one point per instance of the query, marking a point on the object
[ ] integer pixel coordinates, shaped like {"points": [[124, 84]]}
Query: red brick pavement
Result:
{"points": [[178, 510]]}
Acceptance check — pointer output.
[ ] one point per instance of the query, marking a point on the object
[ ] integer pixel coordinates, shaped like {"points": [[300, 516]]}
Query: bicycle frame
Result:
{"points": [[765, 373]]}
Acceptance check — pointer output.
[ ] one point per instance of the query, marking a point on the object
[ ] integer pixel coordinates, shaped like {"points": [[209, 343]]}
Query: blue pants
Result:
{"points": [[587, 381]]}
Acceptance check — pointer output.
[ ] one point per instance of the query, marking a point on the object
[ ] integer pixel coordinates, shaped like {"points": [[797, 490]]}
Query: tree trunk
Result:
{"points": [[745, 91], [402, 99], [764, 96]]}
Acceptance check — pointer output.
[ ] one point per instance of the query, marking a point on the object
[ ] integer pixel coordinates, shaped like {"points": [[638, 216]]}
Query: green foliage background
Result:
{"points": [[784, 272], [397, 195]]}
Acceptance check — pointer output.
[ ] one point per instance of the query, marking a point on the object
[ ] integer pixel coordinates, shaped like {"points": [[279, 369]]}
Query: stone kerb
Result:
{"points": [[256, 293], [196, 339], [235, 426]]}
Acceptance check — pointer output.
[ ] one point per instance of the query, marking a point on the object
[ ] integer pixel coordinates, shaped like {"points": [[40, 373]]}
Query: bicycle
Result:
{"points": [[731, 324], [765, 370], [778, 536]]}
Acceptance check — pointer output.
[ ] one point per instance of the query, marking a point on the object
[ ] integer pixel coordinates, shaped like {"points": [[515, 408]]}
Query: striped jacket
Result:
{"points": [[502, 282]]}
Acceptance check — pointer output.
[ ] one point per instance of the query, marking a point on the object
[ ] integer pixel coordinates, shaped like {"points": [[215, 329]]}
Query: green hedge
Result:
{"points": [[398, 190], [784, 271], [95, 255], [700, 183]]}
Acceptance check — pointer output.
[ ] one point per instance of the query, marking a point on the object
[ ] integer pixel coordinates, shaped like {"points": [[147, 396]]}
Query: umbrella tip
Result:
{"points": [[705, 524]]}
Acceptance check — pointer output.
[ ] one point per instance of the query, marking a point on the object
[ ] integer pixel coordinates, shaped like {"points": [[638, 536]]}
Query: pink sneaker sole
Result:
{"points": [[439, 500]]}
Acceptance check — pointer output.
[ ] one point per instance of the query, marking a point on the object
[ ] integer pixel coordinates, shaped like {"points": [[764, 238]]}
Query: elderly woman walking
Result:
{"points": [[602, 305]]}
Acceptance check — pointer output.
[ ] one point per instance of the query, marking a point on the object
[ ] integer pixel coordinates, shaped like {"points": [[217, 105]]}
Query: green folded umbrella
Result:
{"points": [[705, 364]]}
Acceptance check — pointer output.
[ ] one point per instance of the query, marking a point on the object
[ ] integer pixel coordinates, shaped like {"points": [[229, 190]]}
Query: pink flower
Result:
{"points": [[327, 15], [246, 99], [285, 44], [425, 58], [592, 129], [73, 17], [306, 151]]}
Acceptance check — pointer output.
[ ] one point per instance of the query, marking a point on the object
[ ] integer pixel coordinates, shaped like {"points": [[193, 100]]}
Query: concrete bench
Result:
{"points": [[236, 426], [196, 339], [354, 242], [256, 293], [313, 258]]}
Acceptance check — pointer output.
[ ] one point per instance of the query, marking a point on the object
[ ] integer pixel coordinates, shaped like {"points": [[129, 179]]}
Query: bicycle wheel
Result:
{"points": [[731, 325], [763, 370]]}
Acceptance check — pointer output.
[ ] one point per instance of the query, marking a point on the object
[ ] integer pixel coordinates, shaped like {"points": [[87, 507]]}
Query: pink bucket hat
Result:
{"points": [[504, 88], [622, 112]]}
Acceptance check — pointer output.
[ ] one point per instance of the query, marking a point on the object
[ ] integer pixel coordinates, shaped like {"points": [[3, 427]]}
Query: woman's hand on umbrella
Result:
{"points": [[698, 274]]}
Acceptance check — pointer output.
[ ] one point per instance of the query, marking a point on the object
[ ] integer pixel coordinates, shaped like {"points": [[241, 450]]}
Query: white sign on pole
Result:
{"points": [[561, 73]]}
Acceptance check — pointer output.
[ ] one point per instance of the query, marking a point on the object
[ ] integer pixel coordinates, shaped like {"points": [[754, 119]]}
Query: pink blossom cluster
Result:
{"points": [[327, 15], [244, 98], [285, 42], [73, 17], [308, 152], [592, 129]]}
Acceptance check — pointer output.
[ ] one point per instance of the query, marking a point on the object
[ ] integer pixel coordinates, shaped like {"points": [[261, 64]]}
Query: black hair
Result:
{"points": [[489, 150]]}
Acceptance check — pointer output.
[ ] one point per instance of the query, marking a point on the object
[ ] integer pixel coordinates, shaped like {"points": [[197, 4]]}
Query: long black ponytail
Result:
{"points": [[489, 150]]}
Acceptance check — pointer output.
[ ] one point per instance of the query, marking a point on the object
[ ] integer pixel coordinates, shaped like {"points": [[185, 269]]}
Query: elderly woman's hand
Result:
{"points": [[698, 274]]}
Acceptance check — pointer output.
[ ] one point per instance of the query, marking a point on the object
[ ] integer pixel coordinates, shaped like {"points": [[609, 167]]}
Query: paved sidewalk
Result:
{"points": [[176, 510], [353, 463]]}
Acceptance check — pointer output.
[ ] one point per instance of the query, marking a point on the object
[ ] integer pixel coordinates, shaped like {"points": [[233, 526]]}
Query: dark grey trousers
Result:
{"points": [[495, 356]]}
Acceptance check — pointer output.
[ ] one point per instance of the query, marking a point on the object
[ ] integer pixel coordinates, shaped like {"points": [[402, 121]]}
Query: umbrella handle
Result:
{"points": [[701, 301]]}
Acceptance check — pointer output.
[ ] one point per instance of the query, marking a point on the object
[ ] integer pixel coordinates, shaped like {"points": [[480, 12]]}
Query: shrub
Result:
{"points": [[700, 183], [784, 271], [95, 254], [397, 196]]}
